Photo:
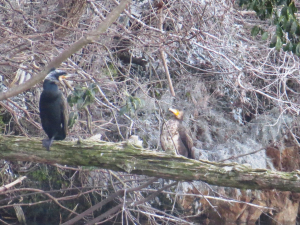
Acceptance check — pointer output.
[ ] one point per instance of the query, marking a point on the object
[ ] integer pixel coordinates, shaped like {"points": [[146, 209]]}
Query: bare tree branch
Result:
{"points": [[87, 39], [135, 203], [7, 186], [108, 199]]}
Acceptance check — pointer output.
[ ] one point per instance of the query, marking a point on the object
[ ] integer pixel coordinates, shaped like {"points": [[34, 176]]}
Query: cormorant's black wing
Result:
{"points": [[64, 115]]}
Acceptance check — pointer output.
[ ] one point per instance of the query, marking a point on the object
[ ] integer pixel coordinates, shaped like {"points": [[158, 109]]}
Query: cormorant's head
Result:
{"points": [[55, 76], [178, 114]]}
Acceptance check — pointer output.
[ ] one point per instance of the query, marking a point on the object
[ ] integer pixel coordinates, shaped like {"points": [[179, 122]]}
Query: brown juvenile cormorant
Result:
{"points": [[174, 137], [53, 108]]}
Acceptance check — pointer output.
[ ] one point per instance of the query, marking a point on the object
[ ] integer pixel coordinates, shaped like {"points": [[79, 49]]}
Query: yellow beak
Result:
{"points": [[63, 77], [174, 111]]}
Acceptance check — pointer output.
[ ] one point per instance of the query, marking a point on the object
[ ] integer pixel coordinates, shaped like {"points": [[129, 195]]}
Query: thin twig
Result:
{"points": [[7, 186]]}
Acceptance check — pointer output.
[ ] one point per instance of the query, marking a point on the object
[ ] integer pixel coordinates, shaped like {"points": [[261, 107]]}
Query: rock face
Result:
{"points": [[268, 207], [286, 160], [233, 206]]}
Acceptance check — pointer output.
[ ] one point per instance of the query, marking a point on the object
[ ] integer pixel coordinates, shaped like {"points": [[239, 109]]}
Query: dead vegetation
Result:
{"points": [[239, 97]]}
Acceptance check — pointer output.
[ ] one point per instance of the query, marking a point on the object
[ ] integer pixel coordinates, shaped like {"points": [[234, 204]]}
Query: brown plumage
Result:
{"points": [[174, 137]]}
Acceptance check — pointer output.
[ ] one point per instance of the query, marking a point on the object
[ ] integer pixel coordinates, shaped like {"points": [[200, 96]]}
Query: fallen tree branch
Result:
{"points": [[128, 158], [7, 186]]}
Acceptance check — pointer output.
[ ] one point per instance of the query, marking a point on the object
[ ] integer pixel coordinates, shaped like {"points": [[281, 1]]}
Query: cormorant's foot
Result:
{"points": [[47, 143]]}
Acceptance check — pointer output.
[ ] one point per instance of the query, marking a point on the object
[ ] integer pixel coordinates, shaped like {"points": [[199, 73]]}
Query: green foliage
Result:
{"points": [[265, 35], [256, 30], [47, 177], [263, 9], [83, 96], [2, 124], [73, 116], [110, 71], [157, 94], [282, 12], [132, 105]]}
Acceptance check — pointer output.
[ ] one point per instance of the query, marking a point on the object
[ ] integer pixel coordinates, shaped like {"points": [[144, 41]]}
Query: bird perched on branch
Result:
{"points": [[53, 108], [174, 137]]}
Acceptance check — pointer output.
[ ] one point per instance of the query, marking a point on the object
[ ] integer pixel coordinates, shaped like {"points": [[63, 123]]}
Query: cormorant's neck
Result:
{"points": [[50, 86], [51, 90], [177, 120]]}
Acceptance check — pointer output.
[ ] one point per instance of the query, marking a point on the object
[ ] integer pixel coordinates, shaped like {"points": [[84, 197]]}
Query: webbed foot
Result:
{"points": [[47, 143]]}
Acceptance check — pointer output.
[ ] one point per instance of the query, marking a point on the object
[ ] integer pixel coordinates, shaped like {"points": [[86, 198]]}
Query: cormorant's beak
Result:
{"points": [[63, 77]]}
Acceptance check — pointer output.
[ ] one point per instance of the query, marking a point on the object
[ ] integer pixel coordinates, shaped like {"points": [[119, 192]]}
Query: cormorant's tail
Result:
{"points": [[60, 135]]}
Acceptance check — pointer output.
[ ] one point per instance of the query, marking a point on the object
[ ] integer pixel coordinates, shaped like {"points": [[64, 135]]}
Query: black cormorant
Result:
{"points": [[174, 137], [53, 108]]}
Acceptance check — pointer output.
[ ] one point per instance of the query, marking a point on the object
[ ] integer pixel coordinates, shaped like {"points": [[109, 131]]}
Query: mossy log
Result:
{"points": [[135, 160]]}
